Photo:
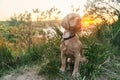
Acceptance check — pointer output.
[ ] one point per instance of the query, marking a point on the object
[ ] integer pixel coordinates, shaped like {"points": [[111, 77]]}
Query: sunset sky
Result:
{"points": [[10, 7]]}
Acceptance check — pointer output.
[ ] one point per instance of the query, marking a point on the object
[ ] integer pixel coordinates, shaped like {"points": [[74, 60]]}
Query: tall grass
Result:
{"points": [[51, 60], [103, 58], [97, 55], [6, 59]]}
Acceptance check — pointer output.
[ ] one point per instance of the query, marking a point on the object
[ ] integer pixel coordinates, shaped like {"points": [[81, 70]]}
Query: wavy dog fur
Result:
{"points": [[71, 48]]}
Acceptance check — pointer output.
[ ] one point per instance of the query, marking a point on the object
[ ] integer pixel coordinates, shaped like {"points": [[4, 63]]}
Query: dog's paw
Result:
{"points": [[62, 70], [75, 74], [84, 60]]}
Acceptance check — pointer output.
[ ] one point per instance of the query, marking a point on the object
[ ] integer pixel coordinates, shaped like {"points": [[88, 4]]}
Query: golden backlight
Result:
{"points": [[87, 22]]}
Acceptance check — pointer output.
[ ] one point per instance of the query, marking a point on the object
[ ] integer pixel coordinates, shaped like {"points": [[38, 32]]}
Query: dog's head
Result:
{"points": [[71, 22]]}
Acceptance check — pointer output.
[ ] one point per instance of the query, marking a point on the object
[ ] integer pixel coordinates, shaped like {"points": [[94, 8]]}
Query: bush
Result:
{"points": [[6, 57], [33, 54], [51, 60], [97, 54], [7, 61], [115, 33]]}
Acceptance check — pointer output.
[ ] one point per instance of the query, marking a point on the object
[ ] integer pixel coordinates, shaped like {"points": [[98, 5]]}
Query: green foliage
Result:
{"points": [[6, 59], [47, 55], [97, 54], [103, 58], [51, 60], [33, 54], [115, 33], [5, 56]]}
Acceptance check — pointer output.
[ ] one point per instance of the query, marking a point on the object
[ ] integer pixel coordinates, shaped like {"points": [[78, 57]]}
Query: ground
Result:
{"points": [[23, 74]]}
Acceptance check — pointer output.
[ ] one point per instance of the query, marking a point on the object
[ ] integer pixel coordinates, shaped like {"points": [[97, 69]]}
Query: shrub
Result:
{"points": [[51, 60], [97, 54], [7, 61], [6, 57], [32, 54]]}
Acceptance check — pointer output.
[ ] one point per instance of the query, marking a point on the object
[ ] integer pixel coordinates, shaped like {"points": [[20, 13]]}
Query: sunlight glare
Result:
{"points": [[87, 22]]}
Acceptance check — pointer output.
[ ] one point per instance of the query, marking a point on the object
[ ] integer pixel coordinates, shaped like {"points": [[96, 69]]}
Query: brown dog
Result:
{"points": [[71, 47]]}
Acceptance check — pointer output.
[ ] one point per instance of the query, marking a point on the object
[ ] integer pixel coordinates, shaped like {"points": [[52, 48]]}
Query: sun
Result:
{"points": [[88, 21]]}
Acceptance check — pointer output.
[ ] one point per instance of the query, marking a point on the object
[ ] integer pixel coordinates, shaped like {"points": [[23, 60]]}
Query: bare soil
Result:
{"points": [[25, 74]]}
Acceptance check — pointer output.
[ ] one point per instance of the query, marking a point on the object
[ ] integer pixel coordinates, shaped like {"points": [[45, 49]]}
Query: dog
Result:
{"points": [[71, 47]]}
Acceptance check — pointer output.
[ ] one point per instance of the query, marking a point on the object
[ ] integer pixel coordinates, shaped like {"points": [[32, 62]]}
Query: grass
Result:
{"points": [[103, 59]]}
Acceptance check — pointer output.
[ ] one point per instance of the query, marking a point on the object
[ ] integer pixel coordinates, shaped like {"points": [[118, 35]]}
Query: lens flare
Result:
{"points": [[87, 22]]}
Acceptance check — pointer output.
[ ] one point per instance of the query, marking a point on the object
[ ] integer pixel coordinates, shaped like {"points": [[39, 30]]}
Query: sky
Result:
{"points": [[10, 7]]}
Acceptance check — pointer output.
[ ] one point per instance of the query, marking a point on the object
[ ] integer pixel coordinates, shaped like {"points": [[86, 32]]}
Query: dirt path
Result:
{"points": [[30, 74]]}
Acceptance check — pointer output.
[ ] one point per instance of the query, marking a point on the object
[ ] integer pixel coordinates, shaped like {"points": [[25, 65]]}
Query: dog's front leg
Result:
{"points": [[76, 66], [63, 61]]}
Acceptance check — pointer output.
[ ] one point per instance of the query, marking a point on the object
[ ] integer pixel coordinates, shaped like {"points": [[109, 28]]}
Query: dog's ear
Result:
{"points": [[65, 23], [74, 20], [71, 22], [74, 23]]}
